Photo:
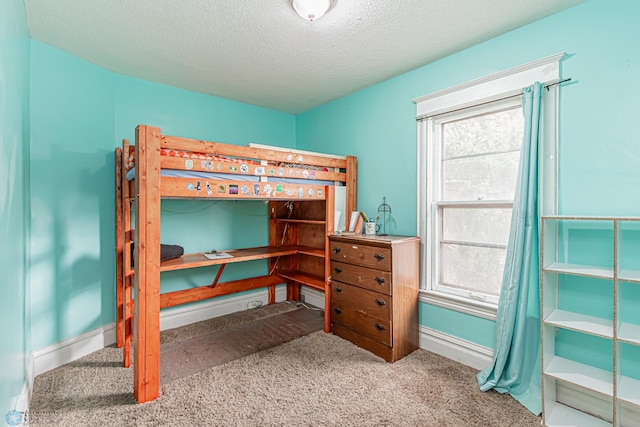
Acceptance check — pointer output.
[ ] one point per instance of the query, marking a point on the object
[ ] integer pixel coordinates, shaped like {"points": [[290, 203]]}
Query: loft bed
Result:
{"points": [[304, 191]]}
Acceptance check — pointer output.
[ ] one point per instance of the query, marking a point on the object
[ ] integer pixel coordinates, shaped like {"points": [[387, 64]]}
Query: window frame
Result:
{"points": [[477, 93], [434, 196]]}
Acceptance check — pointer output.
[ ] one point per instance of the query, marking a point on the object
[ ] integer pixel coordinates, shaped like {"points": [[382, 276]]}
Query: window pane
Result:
{"points": [[494, 132], [487, 177], [472, 268], [478, 225]]}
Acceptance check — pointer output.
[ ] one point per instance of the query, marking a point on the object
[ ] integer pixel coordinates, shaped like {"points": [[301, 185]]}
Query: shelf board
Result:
{"points": [[629, 333], [582, 375], [308, 250], [629, 390], [238, 255], [580, 270], [559, 415], [581, 323], [590, 218], [306, 279], [301, 221], [629, 275]]}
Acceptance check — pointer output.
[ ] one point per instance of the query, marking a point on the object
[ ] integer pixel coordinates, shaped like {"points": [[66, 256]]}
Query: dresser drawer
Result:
{"points": [[362, 323], [363, 255], [371, 303], [369, 278]]}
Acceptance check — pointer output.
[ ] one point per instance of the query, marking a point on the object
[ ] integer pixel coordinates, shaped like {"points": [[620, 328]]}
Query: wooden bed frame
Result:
{"points": [[298, 243]]}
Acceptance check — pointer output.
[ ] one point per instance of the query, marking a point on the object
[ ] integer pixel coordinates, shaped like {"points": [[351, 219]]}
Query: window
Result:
{"points": [[474, 167], [469, 140]]}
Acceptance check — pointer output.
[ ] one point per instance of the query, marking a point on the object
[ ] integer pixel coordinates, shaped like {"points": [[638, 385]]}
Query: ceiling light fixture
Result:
{"points": [[311, 9]]}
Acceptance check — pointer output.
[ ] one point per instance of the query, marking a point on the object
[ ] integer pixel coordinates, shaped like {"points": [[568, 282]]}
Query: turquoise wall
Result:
{"points": [[599, 141], [14, 202], [79, 114], [72, 237]]}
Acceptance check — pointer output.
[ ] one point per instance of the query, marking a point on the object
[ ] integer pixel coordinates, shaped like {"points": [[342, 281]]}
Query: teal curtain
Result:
{"points": [[516, 357]]}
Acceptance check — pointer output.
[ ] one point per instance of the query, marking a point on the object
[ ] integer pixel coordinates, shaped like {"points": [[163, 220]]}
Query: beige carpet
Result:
{"points": [[315, 380]]}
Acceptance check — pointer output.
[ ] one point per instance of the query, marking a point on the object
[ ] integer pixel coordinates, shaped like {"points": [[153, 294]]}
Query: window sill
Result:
{"points": [[463, 305]]}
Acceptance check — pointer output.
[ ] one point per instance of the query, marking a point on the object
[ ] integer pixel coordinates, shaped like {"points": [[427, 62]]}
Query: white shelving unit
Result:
{"points": [[582, 303]]}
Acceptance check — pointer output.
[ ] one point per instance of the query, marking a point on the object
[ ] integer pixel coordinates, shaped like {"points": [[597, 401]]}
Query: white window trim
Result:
{"points": [[487, 89]]}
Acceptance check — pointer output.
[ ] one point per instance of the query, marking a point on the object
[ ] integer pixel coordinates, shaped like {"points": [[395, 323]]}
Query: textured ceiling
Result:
{"points": [[260, 52]]}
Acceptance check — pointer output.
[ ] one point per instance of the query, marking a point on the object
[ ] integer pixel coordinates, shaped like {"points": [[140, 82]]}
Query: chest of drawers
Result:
{"points": [[374, 292]]}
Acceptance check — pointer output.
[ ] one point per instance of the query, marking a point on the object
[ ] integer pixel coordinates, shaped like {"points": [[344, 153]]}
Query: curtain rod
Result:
{"points": [[546, 86]]}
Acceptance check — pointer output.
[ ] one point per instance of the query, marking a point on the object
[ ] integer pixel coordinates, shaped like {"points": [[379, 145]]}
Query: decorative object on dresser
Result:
{"points": [[374, 292], [385, 209]]}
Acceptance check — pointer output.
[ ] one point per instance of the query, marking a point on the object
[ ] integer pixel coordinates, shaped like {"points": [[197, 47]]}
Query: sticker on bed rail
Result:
{"points": [[259, 170], [268, 189], [290, 157], [233, 168], [311, 192], [209, 190], [320, 192], [222, 188], [245, 190], [244, 168], [289, 192], [188, 164], [299, 159], [198, 186], [190, 187], [256, 189], [312, 174], [280, 171], [305, 173], [272, 171], [279, 188], [207, 164], [300, 192], [233, 189]]}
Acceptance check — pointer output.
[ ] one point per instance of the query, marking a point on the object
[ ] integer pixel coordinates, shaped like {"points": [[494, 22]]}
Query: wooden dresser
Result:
{"points": [[374, 292]]}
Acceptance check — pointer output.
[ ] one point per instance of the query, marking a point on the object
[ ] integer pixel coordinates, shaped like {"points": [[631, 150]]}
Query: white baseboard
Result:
{"points": [[24, 400], [595, 404], [583, 400], [451, 347], [53, 356], [48, 358], [312, 296], [20, 403], [175, 317]]}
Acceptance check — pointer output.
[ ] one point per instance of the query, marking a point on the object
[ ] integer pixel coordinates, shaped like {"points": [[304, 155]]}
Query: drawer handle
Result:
{"points": [[336, 250], [337, 270], [379, 257], [338, 310], [380, 302], [379, 327], [339, 290], [379, 279]]}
